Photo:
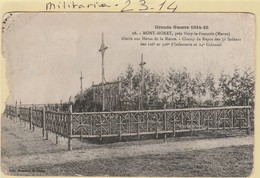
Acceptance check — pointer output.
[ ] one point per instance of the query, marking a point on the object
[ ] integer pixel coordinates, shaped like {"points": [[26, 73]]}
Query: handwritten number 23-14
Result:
{"points": [[145, 7]]}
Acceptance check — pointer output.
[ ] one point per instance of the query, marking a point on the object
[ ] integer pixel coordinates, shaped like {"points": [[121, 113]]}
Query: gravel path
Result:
{"points": [[20, 146]]}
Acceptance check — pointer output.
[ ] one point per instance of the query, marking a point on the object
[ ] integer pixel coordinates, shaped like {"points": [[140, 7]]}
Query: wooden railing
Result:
{"points": [[11, 111], [126, 123], [132, 123]]}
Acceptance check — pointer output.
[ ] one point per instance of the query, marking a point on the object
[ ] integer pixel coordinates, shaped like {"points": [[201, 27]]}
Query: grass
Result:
{"points": [[221, 162]]}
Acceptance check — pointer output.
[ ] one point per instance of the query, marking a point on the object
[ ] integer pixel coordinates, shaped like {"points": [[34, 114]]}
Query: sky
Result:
{"points": [[45, 52]]}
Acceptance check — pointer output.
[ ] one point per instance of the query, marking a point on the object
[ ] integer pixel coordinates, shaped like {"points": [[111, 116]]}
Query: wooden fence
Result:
{"points": [[132, 123]]}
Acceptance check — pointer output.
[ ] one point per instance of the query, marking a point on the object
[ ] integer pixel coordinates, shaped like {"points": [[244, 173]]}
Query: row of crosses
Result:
{"points": [[102, 51]]}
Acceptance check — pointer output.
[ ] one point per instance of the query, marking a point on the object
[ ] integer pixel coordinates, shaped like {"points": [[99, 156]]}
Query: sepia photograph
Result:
{"points": [[132, 94]]}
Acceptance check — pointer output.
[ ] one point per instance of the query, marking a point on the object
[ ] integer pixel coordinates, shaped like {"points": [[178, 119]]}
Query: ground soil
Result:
{"points": [[26, 152]]}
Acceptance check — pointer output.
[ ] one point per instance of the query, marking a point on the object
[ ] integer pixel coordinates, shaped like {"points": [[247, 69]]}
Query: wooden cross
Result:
{"points": [[81, 89], [102, 50], [103, 47], [142, 83]]}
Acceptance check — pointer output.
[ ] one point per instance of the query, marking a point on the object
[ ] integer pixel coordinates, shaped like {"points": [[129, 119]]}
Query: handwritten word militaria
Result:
{"points": [[125, 6]]}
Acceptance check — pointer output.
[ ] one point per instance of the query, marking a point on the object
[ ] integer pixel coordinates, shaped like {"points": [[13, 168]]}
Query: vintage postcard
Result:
{"points": [[129, 94]]}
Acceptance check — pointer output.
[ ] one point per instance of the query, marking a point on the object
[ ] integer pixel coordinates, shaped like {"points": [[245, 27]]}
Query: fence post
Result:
{"points": [[156, 131], [11, 113], [30, 117], [232, 118], [218, 119], [57, 128], [248, 121], [224, 124], [110, 125], [182, 126], [199, 120], [20, 120], [33, 124], [173, 126], [240, 123], [48, 115], [26, 114], [43, 121], [138, 130], [81, 138], [70, 129], [147, 122], [47, 135], [57, 138], [119, 130], [165, 119], [165, 122], [16, 111], [191, 122], [6, 110], [208, 124], [101, 127]]}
